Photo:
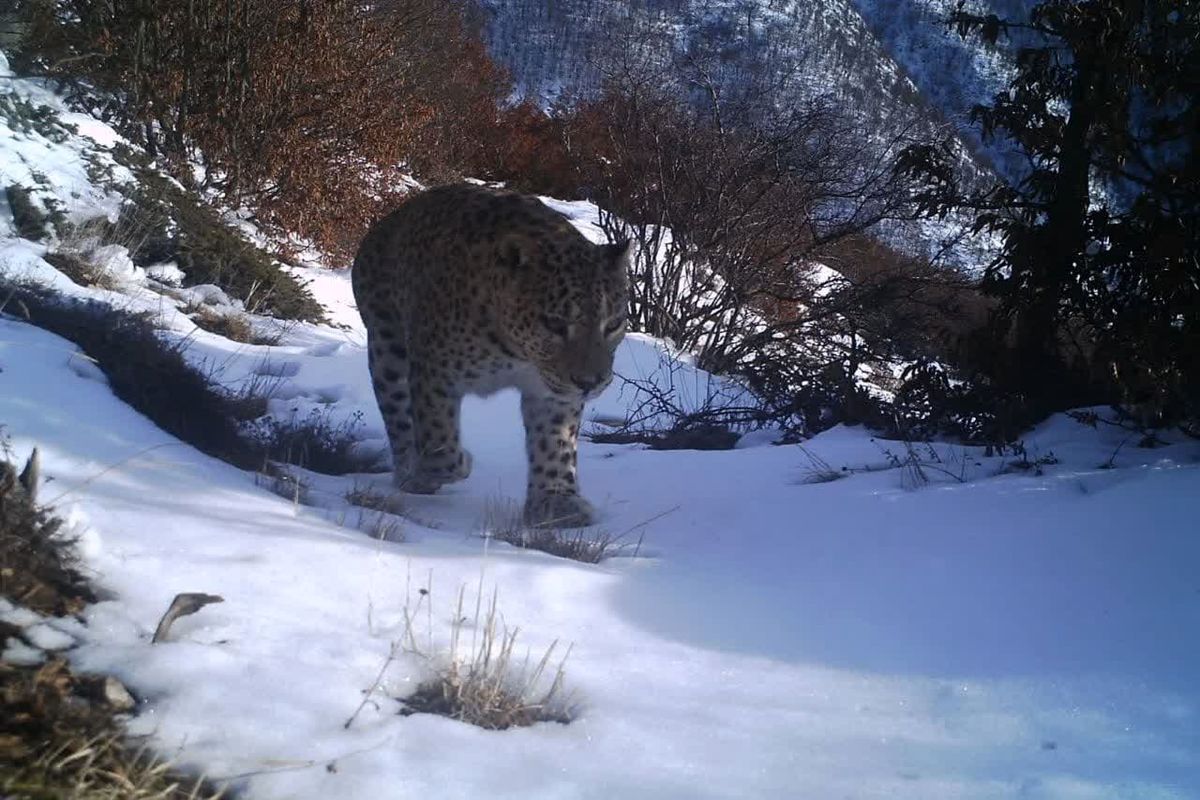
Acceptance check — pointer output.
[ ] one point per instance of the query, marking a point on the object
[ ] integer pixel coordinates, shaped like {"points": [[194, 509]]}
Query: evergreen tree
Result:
{"points": [[1098, 276]]}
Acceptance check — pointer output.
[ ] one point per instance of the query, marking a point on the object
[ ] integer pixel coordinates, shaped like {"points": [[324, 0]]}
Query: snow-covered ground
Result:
{"points": [[978, 632], [1010, 636]]}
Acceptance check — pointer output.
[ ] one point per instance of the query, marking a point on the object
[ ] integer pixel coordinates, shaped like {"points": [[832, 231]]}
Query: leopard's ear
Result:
{"points": [[515, 251], [618, 254]]}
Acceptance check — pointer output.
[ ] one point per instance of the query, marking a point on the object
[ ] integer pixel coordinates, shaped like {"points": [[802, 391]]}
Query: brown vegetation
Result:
{"points": [[308, 111]]}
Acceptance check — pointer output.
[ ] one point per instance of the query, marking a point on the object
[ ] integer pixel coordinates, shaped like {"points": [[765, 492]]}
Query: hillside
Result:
{"points": [[848, 617], [891, 71], [568, 45], [885, 62]]}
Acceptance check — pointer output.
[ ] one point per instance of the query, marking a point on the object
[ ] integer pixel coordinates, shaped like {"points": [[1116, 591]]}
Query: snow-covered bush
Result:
{"points": [[317, 441], [163, 223], [143, 369], [29, 220]]}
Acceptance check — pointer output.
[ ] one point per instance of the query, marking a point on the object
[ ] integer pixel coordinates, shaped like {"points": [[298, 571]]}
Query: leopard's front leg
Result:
{"points": [[551, 443], [440, 458]]}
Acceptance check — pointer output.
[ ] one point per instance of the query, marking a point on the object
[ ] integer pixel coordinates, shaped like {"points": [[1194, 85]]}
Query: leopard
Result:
{"points": [[467, 289]]}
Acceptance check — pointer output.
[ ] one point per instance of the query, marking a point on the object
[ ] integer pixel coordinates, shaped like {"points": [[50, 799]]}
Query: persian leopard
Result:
{"points": [[468, 290]]}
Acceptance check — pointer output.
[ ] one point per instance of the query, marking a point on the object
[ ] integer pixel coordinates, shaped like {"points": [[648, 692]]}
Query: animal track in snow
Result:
{"points": [[277, 369], [325, 349]]}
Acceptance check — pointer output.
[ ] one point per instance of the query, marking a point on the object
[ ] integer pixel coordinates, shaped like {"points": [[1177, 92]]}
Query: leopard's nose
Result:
{"points": [[587, 383]]}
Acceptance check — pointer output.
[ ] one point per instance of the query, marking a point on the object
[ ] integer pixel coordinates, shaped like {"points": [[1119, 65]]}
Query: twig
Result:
{"points": [[111, 467], [313, 762], [183, 605], [387, 662]]}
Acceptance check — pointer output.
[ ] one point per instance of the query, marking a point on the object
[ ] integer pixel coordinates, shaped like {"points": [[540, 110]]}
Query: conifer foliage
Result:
{"points": [[1098, 276]]}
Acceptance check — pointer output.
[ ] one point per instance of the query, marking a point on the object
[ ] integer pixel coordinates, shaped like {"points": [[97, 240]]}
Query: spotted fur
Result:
{"points": [[467, 290]]}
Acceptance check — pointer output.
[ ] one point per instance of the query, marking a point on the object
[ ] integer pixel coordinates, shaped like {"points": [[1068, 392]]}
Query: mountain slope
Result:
{"points": [[885, 62]]}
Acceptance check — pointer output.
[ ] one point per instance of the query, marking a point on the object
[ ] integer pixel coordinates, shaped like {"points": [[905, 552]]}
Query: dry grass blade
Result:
{"points": [[819, 470]]}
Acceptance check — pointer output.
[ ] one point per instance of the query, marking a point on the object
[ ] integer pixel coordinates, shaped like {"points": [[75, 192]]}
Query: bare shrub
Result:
{"points": [[919, 461], [667, 411], [309, 112], [315, 442], [529, 150], [751, 223]]}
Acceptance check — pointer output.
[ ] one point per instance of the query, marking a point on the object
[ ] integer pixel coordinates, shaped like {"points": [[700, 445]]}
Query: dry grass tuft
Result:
{"points": [[504, 522], [381, 525], [317, 442], [233, 326], [80, 269], [485, 685], [371, 498], [54, 744], [818, 470], [281, 481], [81, 256]]}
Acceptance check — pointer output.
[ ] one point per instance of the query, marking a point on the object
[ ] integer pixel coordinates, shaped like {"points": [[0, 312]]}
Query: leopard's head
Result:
{"points": [[568, 307]]}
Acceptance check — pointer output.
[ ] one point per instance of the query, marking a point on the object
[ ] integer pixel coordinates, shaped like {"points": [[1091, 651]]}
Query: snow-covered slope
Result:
{"points": [[952, 73], [841, 619], [799, 48], [883, 60]]}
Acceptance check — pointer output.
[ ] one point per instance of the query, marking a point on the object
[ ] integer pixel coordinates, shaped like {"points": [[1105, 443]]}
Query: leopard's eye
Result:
{"points": [[555, 325], [614, 326]]}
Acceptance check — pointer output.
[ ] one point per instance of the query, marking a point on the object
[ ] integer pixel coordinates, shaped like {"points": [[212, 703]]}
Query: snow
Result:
{"points": [[1012, 635], [818, 621], [20, 654], [47, 638], [20, 617]]}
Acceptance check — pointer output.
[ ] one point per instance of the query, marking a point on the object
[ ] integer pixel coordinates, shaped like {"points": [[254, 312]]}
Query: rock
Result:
{"points": [[109, 691], [117, 696]]}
